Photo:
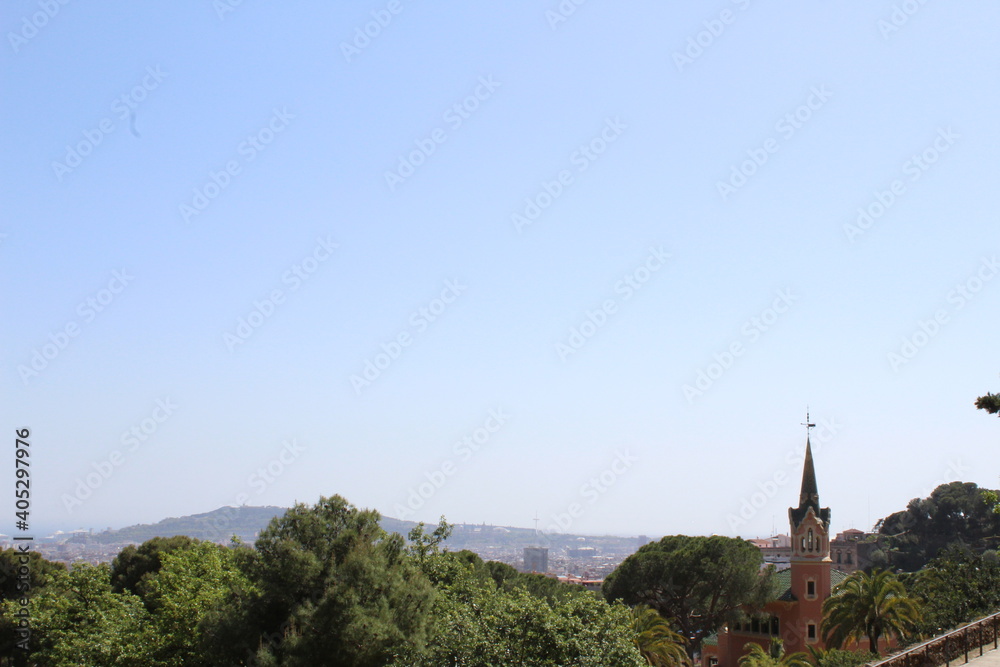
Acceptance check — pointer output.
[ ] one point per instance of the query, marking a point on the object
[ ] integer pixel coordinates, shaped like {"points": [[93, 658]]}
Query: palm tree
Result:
{"points": [[756, 656], [656, 640], [870, 606]]}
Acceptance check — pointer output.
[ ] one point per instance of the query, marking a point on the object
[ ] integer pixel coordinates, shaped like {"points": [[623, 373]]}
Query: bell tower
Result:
{"points": [[810, 561]]}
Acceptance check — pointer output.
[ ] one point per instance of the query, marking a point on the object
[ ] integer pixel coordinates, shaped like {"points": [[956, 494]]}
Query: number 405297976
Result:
{"points": [[22, 483]]}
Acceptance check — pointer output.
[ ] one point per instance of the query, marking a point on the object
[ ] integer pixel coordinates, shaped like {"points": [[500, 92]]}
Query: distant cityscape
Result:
{"points": [[582, 559]]}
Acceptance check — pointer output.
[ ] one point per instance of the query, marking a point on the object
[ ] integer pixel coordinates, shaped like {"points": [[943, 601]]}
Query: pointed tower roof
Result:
{"points": [[809, 494]]}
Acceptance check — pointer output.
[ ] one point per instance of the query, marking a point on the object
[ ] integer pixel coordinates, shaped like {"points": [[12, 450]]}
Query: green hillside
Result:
{"points": [[246, 522]]}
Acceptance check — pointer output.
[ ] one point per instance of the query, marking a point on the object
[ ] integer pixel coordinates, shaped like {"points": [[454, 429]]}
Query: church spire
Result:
{"points": [[809, 492]]}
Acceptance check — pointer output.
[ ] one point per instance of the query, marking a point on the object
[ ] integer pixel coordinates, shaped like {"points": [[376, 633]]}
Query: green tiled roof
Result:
{"points": [[711, 640], [783, 583]]}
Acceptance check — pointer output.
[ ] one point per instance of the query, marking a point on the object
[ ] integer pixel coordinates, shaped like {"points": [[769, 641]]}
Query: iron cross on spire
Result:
{"points": [[807, 423]]}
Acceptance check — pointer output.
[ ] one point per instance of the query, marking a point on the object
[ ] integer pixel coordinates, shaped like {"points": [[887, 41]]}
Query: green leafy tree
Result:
{"points": [[133, 566], [698, 581], [78, 620], [422, 544], [872, 605], [775, 656], [477, 623], [332, 588], [184, 595], [954, 513], [956, 587], [13, 586], [656, 640]]}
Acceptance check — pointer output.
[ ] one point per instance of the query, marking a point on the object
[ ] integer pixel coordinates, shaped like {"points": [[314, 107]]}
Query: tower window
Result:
{"points": [[811, 630], [810, 539], [811, 588]]}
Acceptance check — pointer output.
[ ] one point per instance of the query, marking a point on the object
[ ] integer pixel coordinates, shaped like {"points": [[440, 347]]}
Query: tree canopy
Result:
{"points": [[329, 582], [955, 513], [324, 585], [699, 582], [955, 588]]}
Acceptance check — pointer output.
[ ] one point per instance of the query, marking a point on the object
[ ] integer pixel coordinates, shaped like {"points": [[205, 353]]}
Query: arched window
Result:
{"points": [[810, 539]]}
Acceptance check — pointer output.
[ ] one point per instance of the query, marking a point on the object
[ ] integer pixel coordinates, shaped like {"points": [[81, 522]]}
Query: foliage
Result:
{"points": [[955, 513], [872, 606], [756, 656], [184, 596], [332, 588], [656, 640], [78, 620], [326, 585], [477, 623], [41, 573], [956, 587], [835, 657], [990, 403], [697, 581], [133, 566], [422, 544]]}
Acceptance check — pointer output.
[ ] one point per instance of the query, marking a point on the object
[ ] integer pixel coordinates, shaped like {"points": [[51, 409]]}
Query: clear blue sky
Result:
{"points": [[694, 200]]}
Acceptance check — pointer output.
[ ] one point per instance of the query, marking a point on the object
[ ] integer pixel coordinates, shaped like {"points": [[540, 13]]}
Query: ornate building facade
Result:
{"points": [[796, 614]]}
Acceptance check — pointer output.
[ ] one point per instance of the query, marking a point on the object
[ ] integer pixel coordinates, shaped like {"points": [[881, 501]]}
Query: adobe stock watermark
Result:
{"points": [[954, 471], [131, 440], [258, 481], [704, 39], [751, 331], [455, 116], [591, 491], [223, 7], [464, 449], [753, 503], [562, 12], [296, 276], [419, 322], [594, 320], [584, 156], [247, 150], [900, 16], [123, 106], [913, 169], [363, 35], [88, 310], [31, 25], [957, 298], [786, 127]]}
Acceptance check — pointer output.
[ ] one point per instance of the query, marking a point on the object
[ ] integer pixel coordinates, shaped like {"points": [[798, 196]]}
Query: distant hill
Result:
{"points": [[246, 522], [216, 526]]}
